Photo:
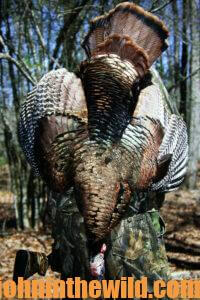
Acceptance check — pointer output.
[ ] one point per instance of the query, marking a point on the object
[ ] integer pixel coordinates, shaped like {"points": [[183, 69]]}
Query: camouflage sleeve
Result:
{"points": [[137, 249]]}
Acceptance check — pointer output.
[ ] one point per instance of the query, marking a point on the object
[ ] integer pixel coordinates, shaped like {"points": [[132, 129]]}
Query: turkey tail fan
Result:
{"points": [[129, 31]]}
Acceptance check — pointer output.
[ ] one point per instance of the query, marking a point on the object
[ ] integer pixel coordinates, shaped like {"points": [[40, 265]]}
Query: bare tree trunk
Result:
{"points": [[184, 62], [194, 128], [176, 92]]}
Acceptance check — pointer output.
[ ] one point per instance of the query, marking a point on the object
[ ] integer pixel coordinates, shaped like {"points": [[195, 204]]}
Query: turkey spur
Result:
{"points": [[107, 130]]}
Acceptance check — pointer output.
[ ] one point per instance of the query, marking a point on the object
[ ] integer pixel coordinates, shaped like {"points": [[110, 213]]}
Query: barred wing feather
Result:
{"points": [[175, 142], [53, 114]]}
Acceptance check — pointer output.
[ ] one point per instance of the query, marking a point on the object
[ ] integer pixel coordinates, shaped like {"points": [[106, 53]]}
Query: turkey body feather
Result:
{"points": [[107, 131]]}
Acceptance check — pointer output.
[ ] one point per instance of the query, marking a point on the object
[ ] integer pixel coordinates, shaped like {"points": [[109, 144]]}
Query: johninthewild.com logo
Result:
{"points": [[126, 288]]}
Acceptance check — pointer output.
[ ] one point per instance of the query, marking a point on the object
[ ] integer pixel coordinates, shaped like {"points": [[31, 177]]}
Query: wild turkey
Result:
{"points": [[107, 132]]}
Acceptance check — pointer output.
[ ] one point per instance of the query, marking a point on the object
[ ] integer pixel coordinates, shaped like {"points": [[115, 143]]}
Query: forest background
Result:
{"points": [[37, 36]]}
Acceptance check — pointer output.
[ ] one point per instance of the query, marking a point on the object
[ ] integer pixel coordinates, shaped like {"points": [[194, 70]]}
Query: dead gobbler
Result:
{"points": [[106, 131]]}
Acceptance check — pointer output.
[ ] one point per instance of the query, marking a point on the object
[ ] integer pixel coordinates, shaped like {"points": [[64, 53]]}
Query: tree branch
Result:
{"points": [[18, 65], [153, 5], [183, 79], [161, 7], [41, 40], [65, 28], [23, 65]]}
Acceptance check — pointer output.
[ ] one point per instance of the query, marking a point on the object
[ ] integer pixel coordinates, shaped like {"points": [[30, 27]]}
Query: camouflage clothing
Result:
{"points": [[135, 246], [138, 249]]}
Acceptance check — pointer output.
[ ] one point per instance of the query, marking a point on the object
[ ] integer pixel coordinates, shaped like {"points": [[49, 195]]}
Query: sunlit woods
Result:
{"points": [[37, 36]]}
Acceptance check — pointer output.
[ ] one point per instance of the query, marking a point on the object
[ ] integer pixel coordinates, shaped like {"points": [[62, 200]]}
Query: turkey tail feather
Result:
{"points": [[126, 49], [129, 31]]}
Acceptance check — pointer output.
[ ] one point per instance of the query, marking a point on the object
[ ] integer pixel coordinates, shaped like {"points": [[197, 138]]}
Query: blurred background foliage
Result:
{"points": [[37, 36]]}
